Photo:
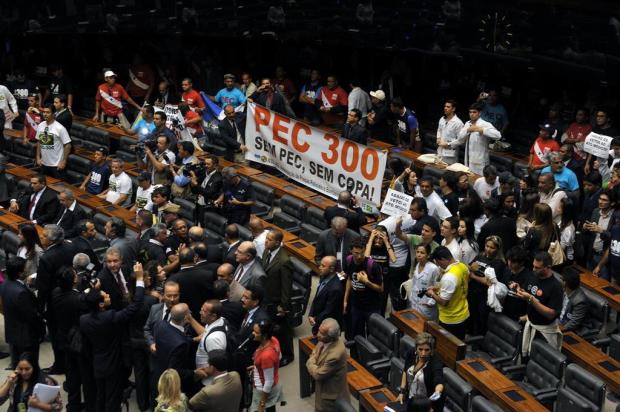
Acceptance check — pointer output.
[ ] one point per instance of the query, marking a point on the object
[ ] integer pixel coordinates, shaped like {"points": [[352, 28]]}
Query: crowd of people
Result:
{"points": [[206, 325]]}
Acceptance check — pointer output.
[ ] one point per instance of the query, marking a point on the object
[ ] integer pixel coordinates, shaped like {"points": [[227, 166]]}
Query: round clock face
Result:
{"points": [[495, 32]]}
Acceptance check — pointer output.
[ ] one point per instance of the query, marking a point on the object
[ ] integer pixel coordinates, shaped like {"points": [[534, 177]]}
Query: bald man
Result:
{"points": [[259, 234], [226, 272], [249, 269], [327, 301], [174, 348]]}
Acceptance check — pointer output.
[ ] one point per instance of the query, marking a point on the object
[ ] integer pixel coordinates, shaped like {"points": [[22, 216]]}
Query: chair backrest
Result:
{"points": [[244, 232], [614, 346], [293, 207], [343, 405], [482, 404], [126, 142], [569, 400], [214, 222], [100, 220], [458, 391], [546, 365], [503, 337], [302, 276], [383, 334], [314, 216], [585, 384], [9, 242], [78, 130], [406, 346], [187, 208], [263, 193], [598, 312], [99, 136], [79, 164], [396, 373]]}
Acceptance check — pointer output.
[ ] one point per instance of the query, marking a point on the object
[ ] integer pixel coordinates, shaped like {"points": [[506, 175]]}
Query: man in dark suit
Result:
{"points": [[58, 253], [347, 209], [69, 305], [70, 214], [232, 242], [196, 285], [86, 232], [327, 301], [335, 241], [208, 257], [104, 329], [232, 311], [278, 285], [232, 135], [209, 188], [39, 204], [144, 221], [115, 231], [353, 130], [249, 269], [161, 312], [574, 316], [114, 279], [174, 347], [155, 248], [23, 324], [498, 225], [266, 95]]}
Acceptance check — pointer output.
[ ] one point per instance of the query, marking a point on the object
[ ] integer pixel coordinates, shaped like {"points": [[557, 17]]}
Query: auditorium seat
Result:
{"points": [[264, 199], [187, 208], [433, 173], [97, 136], [457, 392], [314, 223], [100, 221], [300, 292], [214, 226], [502, 163], [378, 346], [482, 404], [245, 233], [581, 391], [397, 363], [501, 344], [77, 169], [291, 214], [124, 151], [9, 243], [595, 325], [78, 130], [23, 154], [542, 375]]}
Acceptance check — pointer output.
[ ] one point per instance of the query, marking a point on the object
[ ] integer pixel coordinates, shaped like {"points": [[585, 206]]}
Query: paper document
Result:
{"points": [[45, 393]]}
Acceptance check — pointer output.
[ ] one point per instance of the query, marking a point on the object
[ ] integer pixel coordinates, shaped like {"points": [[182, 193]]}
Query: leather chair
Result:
{"points": [[9, 243], [503, 164], [343, 405], [79, 130], [23, 154], [300, 293], [595, 325], [581, 391], [264, 199], [77, 169], [433, 173], [614, 346], [124, 151], [397, 363], [501, 344], [187, 208], [313, 225], [375, 350], [98, 136], [100, 220], [482, 404], [457, 392], [244, 232], [215, 226], [291, 214], [542, 375]]}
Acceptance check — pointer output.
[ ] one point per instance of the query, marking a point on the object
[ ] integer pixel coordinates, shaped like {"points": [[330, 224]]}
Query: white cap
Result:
{"points": [[109, 73], [379, 94]]}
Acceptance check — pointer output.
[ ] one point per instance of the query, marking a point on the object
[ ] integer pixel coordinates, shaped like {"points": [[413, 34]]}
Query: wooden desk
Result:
{"points": [[602, 287], [413, 156], [580, 351], [13, 134], [410, 321], [358, 378], [304, 251], [116, 132], [378, 144], [243, 170], [375, 400], [11, 221], [497, 387], [449, 348], [24, 173], [288, 236]]}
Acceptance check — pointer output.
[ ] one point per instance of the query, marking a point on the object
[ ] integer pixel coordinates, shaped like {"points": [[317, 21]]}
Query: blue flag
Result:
{"points": [[212, 112]]}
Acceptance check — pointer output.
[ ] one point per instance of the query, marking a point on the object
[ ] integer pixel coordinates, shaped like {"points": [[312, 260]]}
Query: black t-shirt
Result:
{"points": [[58, 86], [514, 308], [451, 200], [243, 192], [21, 90], [475, 287], [381, 257], [549, 292], [362, 296]]}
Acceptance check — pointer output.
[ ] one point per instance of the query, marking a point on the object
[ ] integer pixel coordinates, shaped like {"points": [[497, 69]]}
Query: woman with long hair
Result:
{"points": [[407, 182], [20, 384], [567, 229], [379, 249], [267, 387], [449, 231], [471, 207], [525, 217], [29, 247], [425, 275], [468, 247], [542, 232], [170, 398], [491, 257]]}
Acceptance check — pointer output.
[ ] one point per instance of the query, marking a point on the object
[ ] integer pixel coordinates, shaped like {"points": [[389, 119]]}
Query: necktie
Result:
{"points": [[240, 274], [31, 205], [267, 259], [120, 283], [166, 314], [61, 216], [321, 285], [245, 320]]}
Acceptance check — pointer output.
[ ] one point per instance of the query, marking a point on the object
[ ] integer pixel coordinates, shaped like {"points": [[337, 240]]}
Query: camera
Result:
{"points": [[88, 276], [422, 292], [198, 168]]}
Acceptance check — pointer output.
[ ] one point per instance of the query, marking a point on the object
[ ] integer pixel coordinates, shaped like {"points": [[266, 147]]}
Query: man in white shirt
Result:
{"points": [[120, 188], [212, 334], [476, 134], [448, 131], [436, 207], [53, 144], [551, 195], [485, 185], [259, 233], [158, 162], [143, 193], [8, 104]]}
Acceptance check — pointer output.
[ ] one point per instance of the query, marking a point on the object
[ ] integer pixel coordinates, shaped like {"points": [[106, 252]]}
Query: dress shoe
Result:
{"points": [[4, 355]]}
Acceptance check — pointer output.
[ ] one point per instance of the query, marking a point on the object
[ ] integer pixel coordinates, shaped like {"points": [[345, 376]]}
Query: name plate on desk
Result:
{"points": [[409, 315], [110, 208], [612, 290], [298, 245], [514, 396], [350, 368], [609, 366], [477, 366], [570, 340]]}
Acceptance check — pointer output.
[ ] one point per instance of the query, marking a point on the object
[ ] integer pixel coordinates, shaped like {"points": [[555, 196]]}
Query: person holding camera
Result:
{"points": [[157, 160], [181, 174], [208, 188]]}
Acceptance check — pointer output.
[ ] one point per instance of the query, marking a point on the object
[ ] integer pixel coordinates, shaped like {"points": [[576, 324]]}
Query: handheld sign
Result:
{"points": [[597, 145], [396, 203]]}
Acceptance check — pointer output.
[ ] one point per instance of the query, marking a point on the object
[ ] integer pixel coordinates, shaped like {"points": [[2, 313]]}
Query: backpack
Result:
{"points": [[370, 264], [231, 340]]}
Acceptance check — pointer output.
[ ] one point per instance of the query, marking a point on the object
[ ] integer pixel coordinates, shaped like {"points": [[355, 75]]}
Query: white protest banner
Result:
{"points": [[597, 145], [318, 159], [173, 113], [396, 203]]}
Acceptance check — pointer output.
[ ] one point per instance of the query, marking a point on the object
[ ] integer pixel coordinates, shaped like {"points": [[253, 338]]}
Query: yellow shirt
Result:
{"points": [[454, 281]]}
